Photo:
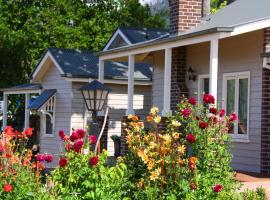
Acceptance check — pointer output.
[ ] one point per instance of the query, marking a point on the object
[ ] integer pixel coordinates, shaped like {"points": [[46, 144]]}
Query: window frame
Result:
{"points": [[200, 85], [237, 76]]}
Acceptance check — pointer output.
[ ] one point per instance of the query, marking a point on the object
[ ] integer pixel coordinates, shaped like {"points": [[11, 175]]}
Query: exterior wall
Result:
{"points": [[241, 53], [53, 80], [117, 102]]}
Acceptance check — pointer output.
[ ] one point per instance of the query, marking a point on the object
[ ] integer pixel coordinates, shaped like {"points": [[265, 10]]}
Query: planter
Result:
{"points": [[117, 145]]}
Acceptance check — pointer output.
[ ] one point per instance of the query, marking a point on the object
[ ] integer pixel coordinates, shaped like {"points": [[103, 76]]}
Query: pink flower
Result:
{"points": [[77, 146], [62, 162], [7, 187], [192, 101], [62, 134], [222, 113], [48, 158], [217, 188], [186, 112], [92, 139], [232, 117], [74, 136], [80, 133], [40, 157], [213, 110], [190, 138], [208, 99], [203, 124], [93, 161]]}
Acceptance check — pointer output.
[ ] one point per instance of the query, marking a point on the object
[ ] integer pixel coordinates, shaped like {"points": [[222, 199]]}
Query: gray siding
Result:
{"points": [[53, 80], [241, 53], [117, 102]]}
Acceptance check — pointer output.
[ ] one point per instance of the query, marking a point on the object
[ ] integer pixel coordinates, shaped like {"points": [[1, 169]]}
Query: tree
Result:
{"points": [[28, 27]]}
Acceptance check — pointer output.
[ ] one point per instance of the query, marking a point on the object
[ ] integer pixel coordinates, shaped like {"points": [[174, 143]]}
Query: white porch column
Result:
{"points": [[26, 111], [214, 67], [5, 109], [167, 82], [131, 63], [101, 71]]}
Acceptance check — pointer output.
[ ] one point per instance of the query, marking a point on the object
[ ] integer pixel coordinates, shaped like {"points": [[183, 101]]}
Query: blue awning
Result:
{"points": [[42, 99]]}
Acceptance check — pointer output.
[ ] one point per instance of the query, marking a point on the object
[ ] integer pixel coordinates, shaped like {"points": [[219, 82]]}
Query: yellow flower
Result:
{"points": [[151, 164], [140, 183], [176, 123], [133, 118], [167, 138], [155, 174], [182, 149], [152, 144], [157, 119], [154, 110], [175, 135]]}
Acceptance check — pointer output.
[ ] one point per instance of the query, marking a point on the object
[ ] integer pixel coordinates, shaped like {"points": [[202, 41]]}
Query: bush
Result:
{"points": [[83, 175], [190, 159]]}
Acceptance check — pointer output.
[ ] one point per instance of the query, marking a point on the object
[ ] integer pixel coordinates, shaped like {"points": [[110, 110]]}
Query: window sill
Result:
{"points": [[240, 140], [48, 135]]}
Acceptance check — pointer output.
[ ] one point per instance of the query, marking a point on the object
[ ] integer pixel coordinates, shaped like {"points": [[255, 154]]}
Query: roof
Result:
{"points": [[237, 13], [136, 35], [84, 64], [30, 86], [42, 99]]}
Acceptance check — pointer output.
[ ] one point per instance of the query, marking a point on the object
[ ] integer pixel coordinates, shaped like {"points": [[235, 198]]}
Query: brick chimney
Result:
{"points": [[184, 14]]}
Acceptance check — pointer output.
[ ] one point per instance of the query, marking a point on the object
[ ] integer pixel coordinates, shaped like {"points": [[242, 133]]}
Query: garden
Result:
{"points": [[183, 156]]}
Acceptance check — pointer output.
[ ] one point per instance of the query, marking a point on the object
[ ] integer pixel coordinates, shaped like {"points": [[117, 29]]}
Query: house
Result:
{"points": [[228, 53], [60, 105]]}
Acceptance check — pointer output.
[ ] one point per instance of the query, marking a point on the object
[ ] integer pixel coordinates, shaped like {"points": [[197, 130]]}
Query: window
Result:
{"points": [[236, 99], [49, 125], [203, 87]]}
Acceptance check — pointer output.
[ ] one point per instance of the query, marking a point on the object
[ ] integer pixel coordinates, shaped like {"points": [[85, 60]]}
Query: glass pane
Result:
{"points": [[230, 101], [49, 126], [243, 106], [206, 85]]}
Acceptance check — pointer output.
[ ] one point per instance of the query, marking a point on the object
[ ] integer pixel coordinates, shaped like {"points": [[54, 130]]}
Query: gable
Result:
{"points": [[118, 42]]}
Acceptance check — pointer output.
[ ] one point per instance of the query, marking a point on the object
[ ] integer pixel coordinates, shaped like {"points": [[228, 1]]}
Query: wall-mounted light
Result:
{"points": [[191, 74]]}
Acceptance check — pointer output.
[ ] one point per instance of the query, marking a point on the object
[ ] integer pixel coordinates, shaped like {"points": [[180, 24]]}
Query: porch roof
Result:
{"points": [[24, 87], [42, 99]]}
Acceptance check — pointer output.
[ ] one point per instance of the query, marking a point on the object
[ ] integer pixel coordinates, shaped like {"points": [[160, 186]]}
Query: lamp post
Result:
{"points": [[95, 95]]}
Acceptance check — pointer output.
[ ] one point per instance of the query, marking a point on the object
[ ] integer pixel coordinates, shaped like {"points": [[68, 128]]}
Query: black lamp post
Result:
{"points": [[95, 95]]}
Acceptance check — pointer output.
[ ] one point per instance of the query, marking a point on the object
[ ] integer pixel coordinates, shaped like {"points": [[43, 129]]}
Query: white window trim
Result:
{"points": [[200, 78], [51, 115], [236, 75]]}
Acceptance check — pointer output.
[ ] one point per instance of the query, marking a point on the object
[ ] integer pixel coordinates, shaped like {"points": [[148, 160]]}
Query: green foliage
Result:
{"points": [[217, 5], [258, 194], [79, 180]]}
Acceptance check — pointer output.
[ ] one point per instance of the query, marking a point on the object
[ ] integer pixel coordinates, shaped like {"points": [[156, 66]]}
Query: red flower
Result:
{"points": [[8, 130], [74, 136], [232, 117], [213, 110], [28, 132], [222, 113], [218, 188], [192, 101], [62, 134], [186, 112], [48, 158], [93, 161], [203, 125], [190, 138], [208, 99], [92, 139], [40, 157], [62, 162], [77, 146], [193, 186], [7, 187], [197, 117], [80, 133]]}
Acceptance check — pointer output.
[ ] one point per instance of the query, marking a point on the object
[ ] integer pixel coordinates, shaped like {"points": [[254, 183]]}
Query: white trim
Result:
{"points": [[118, 32], [131, 64], [157, 47], [101, 66], [26, 111], [21, 92], [265, 63], [214, 44], [47, 55], [121, 82], [200, 86], [236, 76], [5, 109]]}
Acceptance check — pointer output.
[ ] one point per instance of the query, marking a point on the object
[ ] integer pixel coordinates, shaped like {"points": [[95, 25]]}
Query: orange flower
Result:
{"points": [[149, 118], [181, 163], [193, 160]]}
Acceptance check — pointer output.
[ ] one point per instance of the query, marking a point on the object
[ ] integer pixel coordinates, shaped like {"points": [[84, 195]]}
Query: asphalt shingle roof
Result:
{"points": [[41, 99], [137, 35], [84, 64], [28, 86]]}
